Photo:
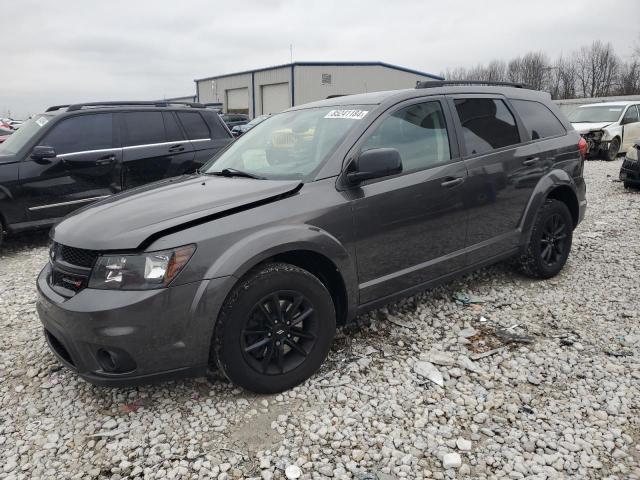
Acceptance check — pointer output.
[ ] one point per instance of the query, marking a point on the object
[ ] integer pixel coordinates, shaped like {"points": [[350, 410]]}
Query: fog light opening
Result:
{"points": [[114, 361]]}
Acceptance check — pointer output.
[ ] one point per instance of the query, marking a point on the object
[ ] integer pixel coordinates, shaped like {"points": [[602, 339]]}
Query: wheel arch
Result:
{"points": [[307, 247], [558, 185]]}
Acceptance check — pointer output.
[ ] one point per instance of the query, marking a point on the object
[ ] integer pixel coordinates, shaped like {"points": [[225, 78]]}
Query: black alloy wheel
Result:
{"points": [[274, 329], [280, 333], [553, 239], [550, 241]]}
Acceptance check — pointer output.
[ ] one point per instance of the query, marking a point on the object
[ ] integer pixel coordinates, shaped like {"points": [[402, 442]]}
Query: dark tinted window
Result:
{"points": [[487, 124], [538, 119], [216, 125], [143, 128], [418, 132], [172, 128], [194, 125], [81, 133], [631, 115]]}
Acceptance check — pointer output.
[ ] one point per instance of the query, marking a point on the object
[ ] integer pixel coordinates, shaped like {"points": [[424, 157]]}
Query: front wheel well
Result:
{"points": [[325, 270], [565, 195]]}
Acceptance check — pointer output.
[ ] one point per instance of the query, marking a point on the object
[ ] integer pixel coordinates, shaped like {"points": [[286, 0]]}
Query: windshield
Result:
{"points": [[291, 145], [258, 120], [20, 137], [596, 114]]}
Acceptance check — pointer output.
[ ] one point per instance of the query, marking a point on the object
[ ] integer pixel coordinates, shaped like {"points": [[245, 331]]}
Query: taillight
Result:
{"points": [[582, 146]]}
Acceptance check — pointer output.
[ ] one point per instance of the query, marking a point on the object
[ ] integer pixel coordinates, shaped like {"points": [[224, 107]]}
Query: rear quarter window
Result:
{"points": [[194, 125], [539, 121]]}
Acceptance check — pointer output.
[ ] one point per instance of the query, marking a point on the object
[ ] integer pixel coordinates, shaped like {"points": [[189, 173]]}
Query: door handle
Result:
{"points": [[176, 148], [530, 161], [106, 160], [452, 182]]}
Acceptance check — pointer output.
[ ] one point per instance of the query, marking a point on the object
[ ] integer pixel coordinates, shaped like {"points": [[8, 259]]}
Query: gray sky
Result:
{"points": [[81, 50]]}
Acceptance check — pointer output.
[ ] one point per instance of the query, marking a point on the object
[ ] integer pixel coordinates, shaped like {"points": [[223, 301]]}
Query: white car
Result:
{"points": [[610, 128]]}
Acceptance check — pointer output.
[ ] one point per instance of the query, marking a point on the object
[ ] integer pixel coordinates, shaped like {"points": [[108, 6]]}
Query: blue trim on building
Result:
{"points": [[293, 85], [253, 94], [326, 64]]}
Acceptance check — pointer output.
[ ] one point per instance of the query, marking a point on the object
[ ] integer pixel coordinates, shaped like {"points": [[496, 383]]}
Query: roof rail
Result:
{"points": [[157, 103], [55, 107], [445, 83]]}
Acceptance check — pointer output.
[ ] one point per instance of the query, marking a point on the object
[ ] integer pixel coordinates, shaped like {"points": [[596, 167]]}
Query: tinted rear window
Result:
{"points": [[172, 128], [143, 128], [194, 125], [81, 133], [487, 124], [539, 121]]}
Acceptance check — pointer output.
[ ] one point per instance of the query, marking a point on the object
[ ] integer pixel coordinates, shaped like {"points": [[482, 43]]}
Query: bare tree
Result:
{"points": [[596, 69], [629, 78]]}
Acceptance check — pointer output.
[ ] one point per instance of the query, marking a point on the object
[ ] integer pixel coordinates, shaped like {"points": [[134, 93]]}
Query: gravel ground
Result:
{"points": [[565, 405]]}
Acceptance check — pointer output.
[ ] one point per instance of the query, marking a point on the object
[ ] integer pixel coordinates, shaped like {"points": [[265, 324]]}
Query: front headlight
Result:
{"points": [[632, 154], [597, 135], [140, 271]]}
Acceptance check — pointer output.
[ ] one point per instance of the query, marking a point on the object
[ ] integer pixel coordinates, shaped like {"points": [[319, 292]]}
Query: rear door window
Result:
{"points": [[194, 125], [143, 128], [487, 124], [81, 133], [174, 133], [539, 121]]}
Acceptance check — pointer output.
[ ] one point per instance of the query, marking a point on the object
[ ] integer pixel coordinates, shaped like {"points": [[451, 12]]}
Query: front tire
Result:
{"points": [[275, 329], [550, 241], [612, 152]]}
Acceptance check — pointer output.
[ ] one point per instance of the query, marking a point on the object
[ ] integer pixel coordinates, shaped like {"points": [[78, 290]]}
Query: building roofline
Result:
{"points": [[325, 64]]}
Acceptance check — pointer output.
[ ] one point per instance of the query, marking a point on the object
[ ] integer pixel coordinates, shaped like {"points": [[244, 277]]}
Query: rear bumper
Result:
{"points": [[124, 338]]}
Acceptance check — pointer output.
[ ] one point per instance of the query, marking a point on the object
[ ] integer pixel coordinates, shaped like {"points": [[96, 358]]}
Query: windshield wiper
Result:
{"points": [[234, 172]]}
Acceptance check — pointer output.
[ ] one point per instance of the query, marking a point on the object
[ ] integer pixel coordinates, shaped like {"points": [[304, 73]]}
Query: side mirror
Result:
{"points": [[42, 152], [374, 163]]}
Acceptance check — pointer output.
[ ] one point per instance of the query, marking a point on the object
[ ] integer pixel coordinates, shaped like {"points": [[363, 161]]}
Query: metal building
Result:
{"points": [[273, 89]]}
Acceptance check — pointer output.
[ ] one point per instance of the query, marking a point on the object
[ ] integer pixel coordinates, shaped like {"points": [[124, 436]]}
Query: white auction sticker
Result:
{"points": [[352, 114], [41, 121]]}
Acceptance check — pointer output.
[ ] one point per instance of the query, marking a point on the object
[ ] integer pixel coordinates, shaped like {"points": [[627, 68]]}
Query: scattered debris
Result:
{"points": [[527, 409], [467, 332], [462, 298], [478, 356], [483, 320], [440, 358], [400, 323], [429, 371], [110, 433], [466, 363], [507, 336], [131, 407], [619, 353]]}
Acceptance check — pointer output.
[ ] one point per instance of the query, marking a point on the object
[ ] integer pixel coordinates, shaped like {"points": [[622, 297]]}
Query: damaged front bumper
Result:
{"points": [[595, 142]]}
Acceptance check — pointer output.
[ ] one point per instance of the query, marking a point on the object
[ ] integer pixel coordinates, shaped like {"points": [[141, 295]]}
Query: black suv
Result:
{"points": [[75, 154], [312, 217], [630, 169]]}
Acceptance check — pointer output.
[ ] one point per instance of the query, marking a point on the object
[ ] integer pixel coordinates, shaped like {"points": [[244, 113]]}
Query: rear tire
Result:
{"points": [[550, 241], [274, 330], [612, 152]]}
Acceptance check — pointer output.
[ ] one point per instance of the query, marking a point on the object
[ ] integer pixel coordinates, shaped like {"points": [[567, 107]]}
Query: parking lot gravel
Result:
{"points": [[541, 380]]}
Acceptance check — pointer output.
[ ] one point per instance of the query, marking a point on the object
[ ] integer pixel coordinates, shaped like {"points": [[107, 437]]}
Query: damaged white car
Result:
{"points": [[610, 128]]}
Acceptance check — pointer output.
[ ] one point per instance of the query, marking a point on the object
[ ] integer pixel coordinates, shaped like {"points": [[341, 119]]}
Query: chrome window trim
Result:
{"points": [[131, 147], [72, 202]]}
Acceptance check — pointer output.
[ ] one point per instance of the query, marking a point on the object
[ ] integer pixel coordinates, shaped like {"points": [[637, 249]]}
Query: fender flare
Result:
{"points": [[264, 244], [548, 183]]}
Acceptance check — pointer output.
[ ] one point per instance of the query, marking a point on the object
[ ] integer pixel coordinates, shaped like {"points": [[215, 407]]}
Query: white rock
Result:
{"points": [[451, 460], [292, 472], [428, 371], [463, 444]]}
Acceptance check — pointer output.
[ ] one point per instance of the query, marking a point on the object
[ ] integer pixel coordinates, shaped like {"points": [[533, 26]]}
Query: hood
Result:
{"points": [[127, 220], [589, 127]]}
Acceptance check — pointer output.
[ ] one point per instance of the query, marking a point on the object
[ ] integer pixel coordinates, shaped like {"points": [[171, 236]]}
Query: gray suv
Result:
{"points": [[312, 217]]}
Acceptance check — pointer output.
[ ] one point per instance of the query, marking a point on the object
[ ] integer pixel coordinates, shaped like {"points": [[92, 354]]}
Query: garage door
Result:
{"points": [[238, 100], [275, 97]]}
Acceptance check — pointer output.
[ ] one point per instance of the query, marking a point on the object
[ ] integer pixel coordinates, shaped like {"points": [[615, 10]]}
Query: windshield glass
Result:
{"points": [[258, 120], [20, 137], [290, 145], [596, 114]]}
